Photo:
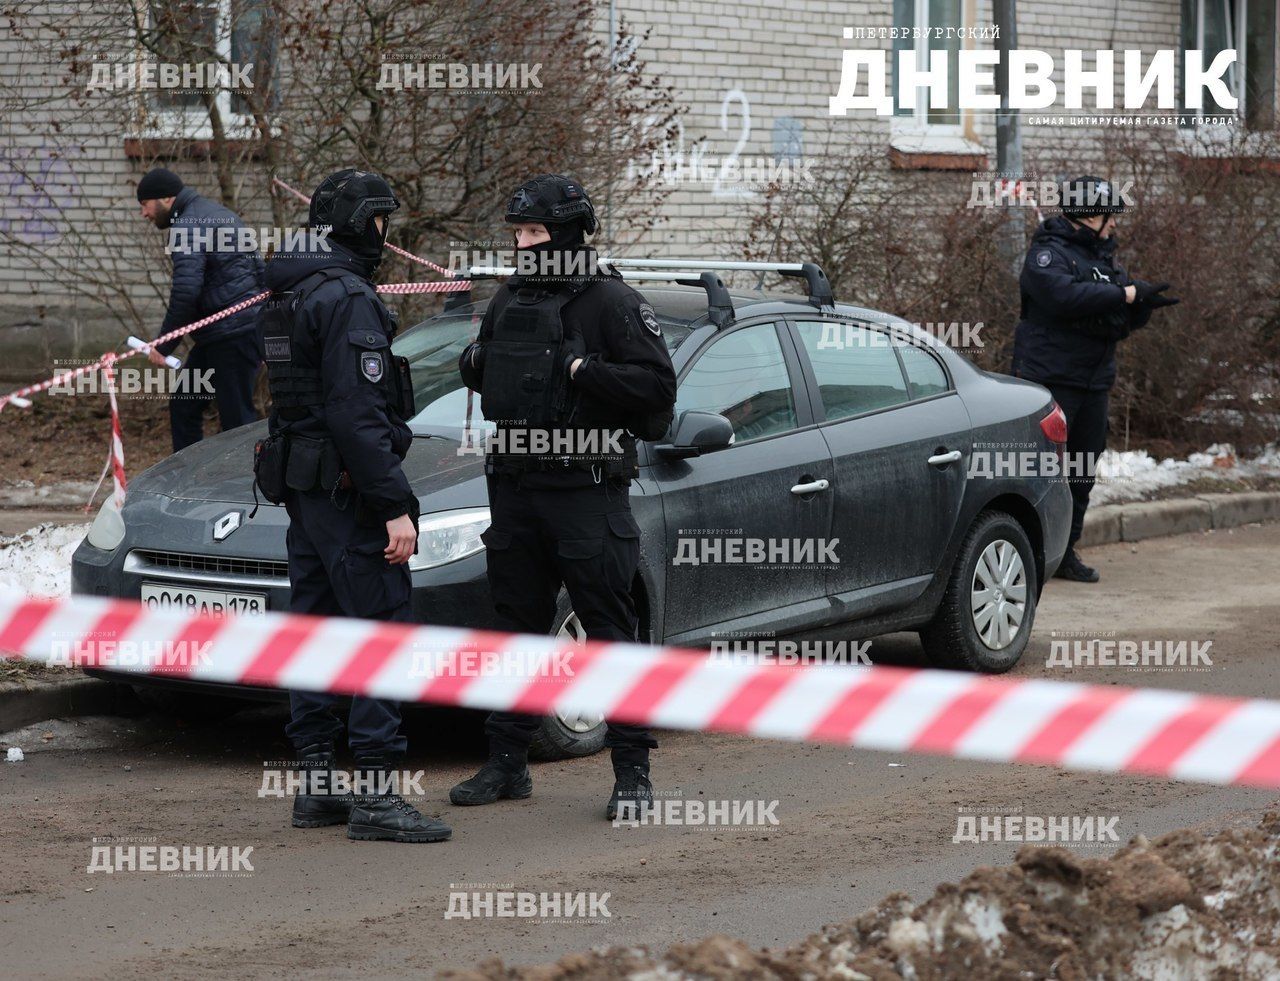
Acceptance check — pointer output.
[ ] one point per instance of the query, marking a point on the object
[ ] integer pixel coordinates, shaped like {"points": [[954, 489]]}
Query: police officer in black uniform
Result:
{"points": [[564, 352], [337, 438], [1077, 304]]}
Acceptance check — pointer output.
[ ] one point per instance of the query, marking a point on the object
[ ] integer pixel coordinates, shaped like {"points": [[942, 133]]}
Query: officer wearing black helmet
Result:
{"points": [[597, 365], [337, 437], [1077, 304]]}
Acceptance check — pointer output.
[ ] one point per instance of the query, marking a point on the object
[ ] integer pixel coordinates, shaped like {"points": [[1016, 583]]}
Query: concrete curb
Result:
{"points": [[1138, 520], [75, 696]]}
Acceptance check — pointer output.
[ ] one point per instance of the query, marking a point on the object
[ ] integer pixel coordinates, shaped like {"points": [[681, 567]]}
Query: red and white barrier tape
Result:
{"points": [[117, 441], [1176, 735], [394, 248]]}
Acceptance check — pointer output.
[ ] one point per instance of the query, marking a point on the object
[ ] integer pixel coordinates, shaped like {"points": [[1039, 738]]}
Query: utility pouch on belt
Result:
{"points": [[302, 471], [270, 456]]}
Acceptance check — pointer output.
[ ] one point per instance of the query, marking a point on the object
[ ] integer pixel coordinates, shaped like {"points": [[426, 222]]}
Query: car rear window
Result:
{"points": [[924, 374], [855, 366]]}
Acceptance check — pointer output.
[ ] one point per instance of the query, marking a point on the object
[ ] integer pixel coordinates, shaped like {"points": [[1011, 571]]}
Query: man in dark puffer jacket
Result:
{"points": [[210, 272]]}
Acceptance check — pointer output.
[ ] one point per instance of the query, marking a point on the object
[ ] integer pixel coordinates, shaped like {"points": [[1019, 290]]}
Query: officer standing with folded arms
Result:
{"points": [[340, 402], [566, 352], [1078, 303]]}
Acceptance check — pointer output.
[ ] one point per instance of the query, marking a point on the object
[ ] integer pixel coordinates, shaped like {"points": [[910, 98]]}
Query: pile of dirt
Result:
{"points": [[1185, 906]]}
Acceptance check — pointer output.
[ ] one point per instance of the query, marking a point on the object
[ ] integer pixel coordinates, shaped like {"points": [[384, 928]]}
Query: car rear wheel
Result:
{"points": [[988, 608], [563, 735]]}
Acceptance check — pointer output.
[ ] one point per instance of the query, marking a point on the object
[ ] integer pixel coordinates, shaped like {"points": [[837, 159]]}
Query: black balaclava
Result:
{"points": [[367, 245], [566, 239]]}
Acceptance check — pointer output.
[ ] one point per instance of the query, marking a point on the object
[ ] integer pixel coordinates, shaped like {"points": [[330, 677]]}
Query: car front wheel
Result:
{"points": [[565, 734], [987, 610]]}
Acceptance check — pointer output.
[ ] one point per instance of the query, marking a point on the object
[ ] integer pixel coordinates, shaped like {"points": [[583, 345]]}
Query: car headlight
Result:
{"points": [[447, 536], [107, 530]]}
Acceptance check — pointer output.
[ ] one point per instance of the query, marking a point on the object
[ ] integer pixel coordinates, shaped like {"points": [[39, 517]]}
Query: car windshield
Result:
{"points": [[432, 348]]}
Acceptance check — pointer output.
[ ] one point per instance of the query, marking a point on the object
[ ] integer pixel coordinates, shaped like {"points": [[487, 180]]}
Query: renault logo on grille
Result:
{"points": [[225, 525]]}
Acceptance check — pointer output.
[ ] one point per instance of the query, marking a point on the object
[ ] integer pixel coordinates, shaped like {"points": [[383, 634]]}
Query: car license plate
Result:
{"points": [[215, 601]]}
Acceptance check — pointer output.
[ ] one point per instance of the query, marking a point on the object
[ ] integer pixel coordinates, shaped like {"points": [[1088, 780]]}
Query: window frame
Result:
{"points": [[1237, 27], [192, 123], [917, 124], [818, 407]]}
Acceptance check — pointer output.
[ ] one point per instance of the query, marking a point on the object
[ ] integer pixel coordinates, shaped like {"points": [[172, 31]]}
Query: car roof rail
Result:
{"points": [[697, 272], [820, 293]]}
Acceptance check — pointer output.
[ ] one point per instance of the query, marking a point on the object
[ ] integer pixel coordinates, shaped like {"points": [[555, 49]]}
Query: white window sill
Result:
{"points": [[927, 142]]}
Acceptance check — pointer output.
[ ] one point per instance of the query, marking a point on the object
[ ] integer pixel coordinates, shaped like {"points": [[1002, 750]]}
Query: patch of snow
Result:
{"points": [[1130, 475], [13, 755], [38, 562]]}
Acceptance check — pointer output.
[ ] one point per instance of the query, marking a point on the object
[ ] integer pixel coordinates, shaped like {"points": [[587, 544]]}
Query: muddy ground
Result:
{"points": [[854, 827]]}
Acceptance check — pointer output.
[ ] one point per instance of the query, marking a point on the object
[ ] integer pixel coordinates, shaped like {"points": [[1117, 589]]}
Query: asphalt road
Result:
{"points": [[852, 827]]}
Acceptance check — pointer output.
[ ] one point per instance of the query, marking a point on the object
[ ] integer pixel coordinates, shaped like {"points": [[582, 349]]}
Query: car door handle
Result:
{"points": [[812, 486], [942, 459]]}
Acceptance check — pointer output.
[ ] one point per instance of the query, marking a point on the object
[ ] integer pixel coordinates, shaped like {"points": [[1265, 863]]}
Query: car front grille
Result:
{"points": [[210, 565]]}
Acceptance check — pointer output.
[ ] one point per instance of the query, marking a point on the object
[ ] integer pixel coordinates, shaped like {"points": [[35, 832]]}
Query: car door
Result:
{"points": [[772, 485], [900, 442]]}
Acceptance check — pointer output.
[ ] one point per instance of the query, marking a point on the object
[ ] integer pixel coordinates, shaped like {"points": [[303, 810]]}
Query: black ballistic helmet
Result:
{"points": [[345, 202], [1087, 196], [552, 199]]}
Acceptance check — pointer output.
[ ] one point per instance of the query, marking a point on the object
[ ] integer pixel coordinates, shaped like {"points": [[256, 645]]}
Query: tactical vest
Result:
{"points": [[525, 383], [293, 358], [293, 354]]}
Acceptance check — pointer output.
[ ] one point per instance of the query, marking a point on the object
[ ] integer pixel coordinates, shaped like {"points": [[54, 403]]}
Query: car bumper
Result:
{"points": [[1054, 510], [162, 537]]}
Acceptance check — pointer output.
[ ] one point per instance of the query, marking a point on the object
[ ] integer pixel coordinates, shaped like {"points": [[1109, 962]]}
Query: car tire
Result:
{"points": [[189, 706], [986, 614], [560, 738]]}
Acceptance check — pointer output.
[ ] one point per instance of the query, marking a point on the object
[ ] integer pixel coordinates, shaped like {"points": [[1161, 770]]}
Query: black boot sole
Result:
{"points": [[365, 832], [519, 792], [318, 822]]}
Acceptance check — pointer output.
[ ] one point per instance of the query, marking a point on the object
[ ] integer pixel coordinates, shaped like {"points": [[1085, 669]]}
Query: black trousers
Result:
{"points": [[233, 365], [584, 538], [1086, 412], [336, 568]]}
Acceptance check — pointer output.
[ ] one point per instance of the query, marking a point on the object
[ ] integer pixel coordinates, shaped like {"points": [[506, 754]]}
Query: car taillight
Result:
{"points": [[1054, 425]]}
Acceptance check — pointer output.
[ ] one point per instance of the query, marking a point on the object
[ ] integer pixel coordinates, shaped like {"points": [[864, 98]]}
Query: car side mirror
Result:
{"points": [[698, 432]]}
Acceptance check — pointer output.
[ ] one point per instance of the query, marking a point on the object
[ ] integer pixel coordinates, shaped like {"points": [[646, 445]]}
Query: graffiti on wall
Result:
{"points": [[37, 186]]}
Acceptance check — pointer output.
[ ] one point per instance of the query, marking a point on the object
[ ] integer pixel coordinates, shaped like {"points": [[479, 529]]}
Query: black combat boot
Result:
{"points": [[380, 815], [1075, 570], [504, 775], [631, 790], [316, 804]]}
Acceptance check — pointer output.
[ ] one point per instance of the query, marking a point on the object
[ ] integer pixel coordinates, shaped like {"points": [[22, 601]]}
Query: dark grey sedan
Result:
{"points": [[828, 465]]}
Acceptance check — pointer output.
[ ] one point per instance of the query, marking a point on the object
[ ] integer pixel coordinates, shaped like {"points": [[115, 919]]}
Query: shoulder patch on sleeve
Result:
{"points": [[371, 365], [650, 319], [1043, 258]]}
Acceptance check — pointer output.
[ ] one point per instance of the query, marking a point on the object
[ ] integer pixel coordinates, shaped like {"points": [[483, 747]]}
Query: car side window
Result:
{"points": [[855, 366], [742, 376], [924, 375]]}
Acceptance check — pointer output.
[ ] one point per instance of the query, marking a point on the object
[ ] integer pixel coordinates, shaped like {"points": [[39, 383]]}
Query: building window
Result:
{"points": [[205, 33], [1248, 26], [926, 15]]}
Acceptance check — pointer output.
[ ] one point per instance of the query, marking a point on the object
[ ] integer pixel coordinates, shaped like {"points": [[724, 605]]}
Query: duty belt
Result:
{"points": [[495, 463]]}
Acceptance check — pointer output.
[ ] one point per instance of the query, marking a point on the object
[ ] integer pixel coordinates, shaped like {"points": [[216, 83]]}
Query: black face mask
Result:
{"points": [[564, 239], [367, 246]]}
